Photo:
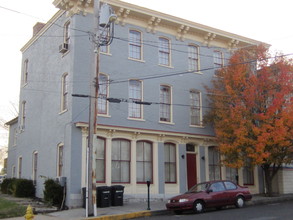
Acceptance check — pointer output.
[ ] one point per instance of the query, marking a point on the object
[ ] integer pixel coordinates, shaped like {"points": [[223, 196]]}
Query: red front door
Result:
{"points": [[191, 170]]}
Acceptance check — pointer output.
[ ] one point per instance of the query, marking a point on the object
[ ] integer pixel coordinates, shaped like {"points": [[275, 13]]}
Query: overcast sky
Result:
{"points": [[264, 20]]}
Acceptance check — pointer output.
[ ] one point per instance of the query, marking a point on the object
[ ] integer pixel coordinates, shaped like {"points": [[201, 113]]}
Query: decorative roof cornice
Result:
{"points": [[156, 21], [13, 121]]}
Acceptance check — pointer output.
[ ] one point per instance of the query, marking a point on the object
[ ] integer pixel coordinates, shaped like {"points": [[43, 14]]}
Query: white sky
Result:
{"points": [[269, 21]]}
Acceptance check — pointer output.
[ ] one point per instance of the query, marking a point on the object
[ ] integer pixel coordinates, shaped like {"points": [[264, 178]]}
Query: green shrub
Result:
{"points": [[6, 186], [18, 187], [24, 188], [53, 193]]}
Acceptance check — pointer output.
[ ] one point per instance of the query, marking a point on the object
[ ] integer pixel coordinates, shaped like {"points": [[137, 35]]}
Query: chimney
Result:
{"points": [[38, 26]]}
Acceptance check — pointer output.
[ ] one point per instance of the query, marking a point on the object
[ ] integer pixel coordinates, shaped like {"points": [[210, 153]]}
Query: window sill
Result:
{"points": [[106, 53], [24, 85], [137, 60], [104, 115], [196, 72], [64, 54], [196, 126], [166, 122], [170, 67], [136, 119], [63, 111]]}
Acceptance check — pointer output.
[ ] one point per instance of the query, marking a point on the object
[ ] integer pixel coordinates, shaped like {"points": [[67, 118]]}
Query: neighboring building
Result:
{"points": [[155, 70]]}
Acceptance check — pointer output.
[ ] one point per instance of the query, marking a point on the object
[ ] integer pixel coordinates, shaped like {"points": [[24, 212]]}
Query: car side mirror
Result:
{"points": [[209, 190]]}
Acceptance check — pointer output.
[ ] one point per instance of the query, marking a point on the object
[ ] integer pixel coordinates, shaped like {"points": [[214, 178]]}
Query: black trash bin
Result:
{"points": [[103, 196], [117, 192]]}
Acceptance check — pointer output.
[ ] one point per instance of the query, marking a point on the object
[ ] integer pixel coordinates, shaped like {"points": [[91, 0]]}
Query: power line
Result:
{"points": [[90, 34], [201, 70]]}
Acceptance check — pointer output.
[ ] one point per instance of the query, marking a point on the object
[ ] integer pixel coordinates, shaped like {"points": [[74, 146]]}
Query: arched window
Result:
{"points": [[164, 51], [120, 161], [60, 159], [35, 166], [195, 108], [100, 160], [170, 162], [144, 161], [193, 58], [135, 45], [165, 103], [64, 90], [214, 163], [135, 95], [103, 94]]}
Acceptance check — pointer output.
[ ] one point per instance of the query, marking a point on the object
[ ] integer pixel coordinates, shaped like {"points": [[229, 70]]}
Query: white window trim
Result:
{"points": [[141, 118], [107, 96], [58, 159], [198, 59], [141, 46], [171, 106], [19, 167], [62, 109], [170, 52], [200, 109]]}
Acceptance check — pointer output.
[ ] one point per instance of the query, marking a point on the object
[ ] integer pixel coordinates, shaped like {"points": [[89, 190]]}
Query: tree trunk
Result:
{"points": [[269, 172]]}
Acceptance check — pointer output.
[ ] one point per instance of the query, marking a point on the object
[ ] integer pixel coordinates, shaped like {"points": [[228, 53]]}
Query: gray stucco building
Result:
{"points": [[151, 103]]}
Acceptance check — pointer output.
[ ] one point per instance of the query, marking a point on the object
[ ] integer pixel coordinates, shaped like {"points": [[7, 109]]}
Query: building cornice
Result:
{"points": [[154, 21], [160, 135], [13, 121], [43, 30]]}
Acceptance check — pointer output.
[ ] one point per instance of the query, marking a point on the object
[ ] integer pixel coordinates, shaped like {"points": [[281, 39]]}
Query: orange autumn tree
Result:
{"points": [[251, 110]]}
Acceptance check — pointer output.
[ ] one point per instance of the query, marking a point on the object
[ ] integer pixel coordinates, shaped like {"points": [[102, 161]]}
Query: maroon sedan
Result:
{"points": [[210, 194]]}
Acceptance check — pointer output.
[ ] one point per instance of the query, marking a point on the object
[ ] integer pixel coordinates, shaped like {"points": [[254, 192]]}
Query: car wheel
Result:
{"points": [[239, 202], [178, 212], [198, 206]]}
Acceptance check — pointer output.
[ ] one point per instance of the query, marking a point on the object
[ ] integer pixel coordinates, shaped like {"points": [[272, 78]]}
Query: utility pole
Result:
{"points": [[91, 209], [106, 21]]}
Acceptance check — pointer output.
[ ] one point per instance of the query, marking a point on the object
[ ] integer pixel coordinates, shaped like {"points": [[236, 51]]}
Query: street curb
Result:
{"points": [[122, 216], [267, 200], [270, 200]]}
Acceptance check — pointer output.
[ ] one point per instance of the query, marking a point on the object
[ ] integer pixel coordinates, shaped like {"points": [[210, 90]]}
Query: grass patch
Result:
{"points": [[9, 209]]}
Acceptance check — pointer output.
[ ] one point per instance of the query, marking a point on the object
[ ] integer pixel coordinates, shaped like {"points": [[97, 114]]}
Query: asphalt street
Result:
{"points": [[274, 211]]}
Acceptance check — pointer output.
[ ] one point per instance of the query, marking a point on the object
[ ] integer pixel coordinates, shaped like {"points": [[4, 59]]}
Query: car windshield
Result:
{"points": [[198, 188]]}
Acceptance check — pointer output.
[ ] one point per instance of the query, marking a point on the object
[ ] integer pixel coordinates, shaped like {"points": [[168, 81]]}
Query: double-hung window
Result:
{"points": [[195, 108], [193, 58], [120, 161], [19, 167], [64, 96], [164, 52], [103, 94], [35, 167], [144, 161], [104, 39], [100, 160], [23, 115], [60, 158], [170, 162], [248, 174], [214, 163], [218, 60], [135, 45], [25, 72], [66, 33], [135, 95], [165, 103]]}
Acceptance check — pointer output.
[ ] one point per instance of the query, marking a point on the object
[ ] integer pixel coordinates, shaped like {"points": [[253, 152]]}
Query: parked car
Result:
{"points": [[210, 194], [2, 177]]}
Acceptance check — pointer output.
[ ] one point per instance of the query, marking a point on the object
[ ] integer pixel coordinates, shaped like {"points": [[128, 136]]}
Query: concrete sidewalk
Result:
{"points": [[138, 209]]}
